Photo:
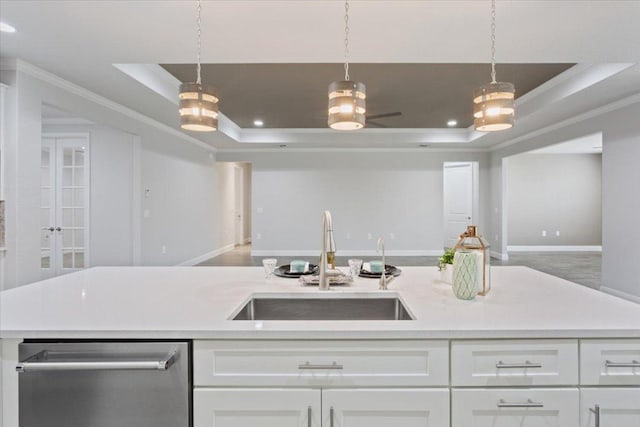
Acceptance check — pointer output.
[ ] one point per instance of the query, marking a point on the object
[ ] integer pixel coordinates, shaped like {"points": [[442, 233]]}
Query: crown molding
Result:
{"points": [[45, 76], [616, 105]]}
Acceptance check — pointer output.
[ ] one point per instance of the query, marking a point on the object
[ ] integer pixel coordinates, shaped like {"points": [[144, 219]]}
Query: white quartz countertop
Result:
{"points": [[196, 302]]}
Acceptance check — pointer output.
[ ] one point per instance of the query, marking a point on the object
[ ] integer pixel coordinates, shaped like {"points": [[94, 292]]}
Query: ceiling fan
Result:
{"points": [[371, 119]]}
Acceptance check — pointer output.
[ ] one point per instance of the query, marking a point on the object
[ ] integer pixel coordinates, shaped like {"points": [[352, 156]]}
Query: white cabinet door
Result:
{"points": [[616, 407], [256, 408], [515, 407], [385, 408]]}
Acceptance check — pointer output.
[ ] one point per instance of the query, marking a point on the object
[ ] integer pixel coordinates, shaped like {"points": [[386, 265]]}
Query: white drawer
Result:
{"points": [[260, 363], [610, 362], [516, 407], [514, 362]]}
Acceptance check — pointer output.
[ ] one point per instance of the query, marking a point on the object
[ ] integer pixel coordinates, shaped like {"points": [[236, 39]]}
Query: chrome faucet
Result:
{"points": [[384, 281], [328, 246]]}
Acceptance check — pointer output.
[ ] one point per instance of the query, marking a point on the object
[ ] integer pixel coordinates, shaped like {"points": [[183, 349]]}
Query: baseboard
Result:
{"points": [[208, 255], [499, 255], [436, 252], [620, 294], [552, 248]]}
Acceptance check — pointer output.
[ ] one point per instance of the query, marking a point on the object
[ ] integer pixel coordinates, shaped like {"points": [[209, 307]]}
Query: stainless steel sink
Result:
{"points": [[323, 308]]}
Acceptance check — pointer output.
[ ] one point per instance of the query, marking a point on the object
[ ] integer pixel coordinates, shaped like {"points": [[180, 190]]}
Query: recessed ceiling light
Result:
{"points": [[258, 122], [452, 123], [6, 28]]}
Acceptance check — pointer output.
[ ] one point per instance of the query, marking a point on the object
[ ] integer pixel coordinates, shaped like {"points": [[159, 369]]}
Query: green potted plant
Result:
{"points": [[445, 265]]}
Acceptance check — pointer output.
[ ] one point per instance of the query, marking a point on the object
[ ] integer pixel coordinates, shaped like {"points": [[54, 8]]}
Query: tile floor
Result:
{"points": [[579, 267]]}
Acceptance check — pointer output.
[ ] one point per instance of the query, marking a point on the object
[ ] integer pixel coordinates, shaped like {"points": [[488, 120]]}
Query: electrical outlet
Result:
{"points": [[495, 238], [164, 249], [258, 236], [369, 236], [348, 236], [544, 233], [259, 210], [557, 233], [392, 236]]}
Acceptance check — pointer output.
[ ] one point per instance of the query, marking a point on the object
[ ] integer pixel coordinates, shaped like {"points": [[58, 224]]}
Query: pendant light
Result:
{"points": [[493, 103], [347, 98], [198, 103]]}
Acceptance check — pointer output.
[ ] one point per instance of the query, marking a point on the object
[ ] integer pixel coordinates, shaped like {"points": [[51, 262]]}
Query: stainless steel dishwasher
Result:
{"points": [[104, 384]]}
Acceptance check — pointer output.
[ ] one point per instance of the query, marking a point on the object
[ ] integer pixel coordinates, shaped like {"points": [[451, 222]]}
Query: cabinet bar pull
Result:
{"points": [[526, 364], [528, 404], [331, 417], [596, 413], [39, 363], [633, 364], [308, 365], [309, 416]]}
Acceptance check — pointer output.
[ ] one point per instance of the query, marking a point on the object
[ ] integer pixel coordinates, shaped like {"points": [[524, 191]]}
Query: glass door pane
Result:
{"points": [[71, 204], [47, 208]]}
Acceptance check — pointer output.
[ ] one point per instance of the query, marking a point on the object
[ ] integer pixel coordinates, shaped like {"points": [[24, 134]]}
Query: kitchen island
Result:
{"points": [[548, 334]]}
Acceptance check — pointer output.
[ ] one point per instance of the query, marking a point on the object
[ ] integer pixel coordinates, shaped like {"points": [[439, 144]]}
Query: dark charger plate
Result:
{"points": [[389, 270], [285, 271]]}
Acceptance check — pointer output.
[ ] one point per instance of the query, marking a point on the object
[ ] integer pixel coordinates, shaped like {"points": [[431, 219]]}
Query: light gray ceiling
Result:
{"points": [[80, 41], [295, 95]]}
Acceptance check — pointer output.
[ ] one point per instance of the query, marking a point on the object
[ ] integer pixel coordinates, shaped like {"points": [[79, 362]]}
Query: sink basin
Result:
{"points": [[323, 308]]}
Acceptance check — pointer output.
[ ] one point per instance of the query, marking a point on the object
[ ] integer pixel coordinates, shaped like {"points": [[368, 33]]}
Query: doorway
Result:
{"points": [[64, 208], [460, 194]]}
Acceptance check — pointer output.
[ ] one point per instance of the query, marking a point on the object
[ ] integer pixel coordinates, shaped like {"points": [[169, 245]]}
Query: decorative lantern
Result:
{"points": [[472, 242]]}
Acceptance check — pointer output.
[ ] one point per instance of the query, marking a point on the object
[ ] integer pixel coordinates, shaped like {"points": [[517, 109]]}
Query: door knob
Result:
{"points": [[58, 229]]}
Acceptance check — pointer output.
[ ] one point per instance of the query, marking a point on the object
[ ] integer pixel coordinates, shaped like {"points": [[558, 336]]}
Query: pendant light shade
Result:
{"points": [[198, 107], [347, 105], [198, 103], [347, 98], [494, 103], [493, 106]]}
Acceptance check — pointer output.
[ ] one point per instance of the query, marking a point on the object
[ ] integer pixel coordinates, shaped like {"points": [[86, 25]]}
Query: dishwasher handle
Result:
{"points": [[39, 363]]}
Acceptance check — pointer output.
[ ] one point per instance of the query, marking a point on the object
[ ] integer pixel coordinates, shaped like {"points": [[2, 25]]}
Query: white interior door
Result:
{"points": [[458, 191], [64, 205], [48, 259], [238, 222]]}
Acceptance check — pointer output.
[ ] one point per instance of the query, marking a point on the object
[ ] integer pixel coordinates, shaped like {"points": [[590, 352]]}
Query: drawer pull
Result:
{"points": [[331, 417], [596, 414], [633, 364], [308, 365], [309, 416], [526, 364], [528, 404]]}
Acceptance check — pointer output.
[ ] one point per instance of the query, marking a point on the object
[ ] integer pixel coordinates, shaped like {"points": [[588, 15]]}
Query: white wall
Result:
{"points": [[377, 193], [182, 179], [555, 193], [620, 177], [180, 210]]}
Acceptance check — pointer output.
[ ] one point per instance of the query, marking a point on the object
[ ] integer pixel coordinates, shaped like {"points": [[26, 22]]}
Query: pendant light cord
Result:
{"points": [[346, 40], [198, 23], [493, 41]]}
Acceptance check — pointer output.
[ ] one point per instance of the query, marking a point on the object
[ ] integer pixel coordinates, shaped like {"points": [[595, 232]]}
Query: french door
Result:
{"points": [[65, 191]]}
